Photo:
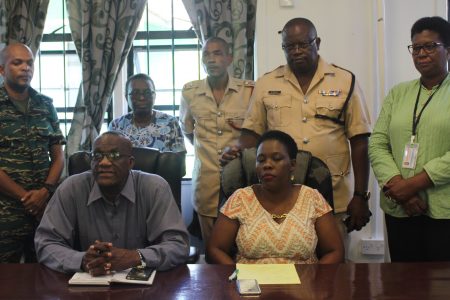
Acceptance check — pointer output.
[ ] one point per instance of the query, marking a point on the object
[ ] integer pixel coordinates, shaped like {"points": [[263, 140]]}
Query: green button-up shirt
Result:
{"points": [[393, 131]]}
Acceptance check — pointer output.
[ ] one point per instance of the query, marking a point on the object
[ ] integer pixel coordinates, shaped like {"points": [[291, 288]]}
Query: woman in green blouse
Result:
{"points": [[410, 151]]}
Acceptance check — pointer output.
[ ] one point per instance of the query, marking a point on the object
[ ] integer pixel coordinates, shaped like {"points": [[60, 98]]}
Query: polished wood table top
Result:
{"points": [[345, 281]]}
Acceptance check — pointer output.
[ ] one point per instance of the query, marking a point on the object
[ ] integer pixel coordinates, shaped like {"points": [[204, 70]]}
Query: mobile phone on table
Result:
{"points": [[139, 274], [247, 287]]}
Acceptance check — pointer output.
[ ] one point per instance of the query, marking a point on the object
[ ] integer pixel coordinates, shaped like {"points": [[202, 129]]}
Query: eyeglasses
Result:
{"points": [[428, 48], [147, 94], [111, 156], [294, 46]]}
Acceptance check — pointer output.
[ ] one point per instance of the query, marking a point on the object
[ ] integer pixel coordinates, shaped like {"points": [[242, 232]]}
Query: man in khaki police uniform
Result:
{"points": [[211, 115], [304, 99]]}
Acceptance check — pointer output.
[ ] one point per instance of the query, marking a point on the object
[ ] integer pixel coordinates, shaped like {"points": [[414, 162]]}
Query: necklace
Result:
{"points": [[282, 216]]}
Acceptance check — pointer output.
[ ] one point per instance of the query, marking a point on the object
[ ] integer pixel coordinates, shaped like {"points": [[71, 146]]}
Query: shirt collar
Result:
{"points": [[127, 192], [32, 93], [322, 69], [205, 89]]}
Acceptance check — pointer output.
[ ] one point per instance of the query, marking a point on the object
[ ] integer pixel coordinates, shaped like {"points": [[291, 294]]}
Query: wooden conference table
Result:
{"points": [[345, 281]]}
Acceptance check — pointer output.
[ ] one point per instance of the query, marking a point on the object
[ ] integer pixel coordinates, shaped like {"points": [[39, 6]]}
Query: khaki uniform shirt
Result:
{"points": [[279, 103], [214, 127]]}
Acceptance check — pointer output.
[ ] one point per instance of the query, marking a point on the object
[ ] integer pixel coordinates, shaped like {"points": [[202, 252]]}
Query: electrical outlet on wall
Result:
{"points": [[286, 3], [372, 247]]}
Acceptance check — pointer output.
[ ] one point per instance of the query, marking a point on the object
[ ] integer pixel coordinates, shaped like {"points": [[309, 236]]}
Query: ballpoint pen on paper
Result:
{"points": [[234, 275]]}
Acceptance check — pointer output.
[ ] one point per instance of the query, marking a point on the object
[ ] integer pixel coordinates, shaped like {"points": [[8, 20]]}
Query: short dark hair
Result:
{"points": [[128, 145], [283, 138], [436, 24], [216, 39], [298, 21], [139, 76]]}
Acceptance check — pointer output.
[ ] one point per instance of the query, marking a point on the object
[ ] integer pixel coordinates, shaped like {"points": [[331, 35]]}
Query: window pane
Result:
{"points": [[159, 16]]}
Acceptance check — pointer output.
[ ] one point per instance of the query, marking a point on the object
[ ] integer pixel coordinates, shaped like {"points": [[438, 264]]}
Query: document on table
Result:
{"points": [[269, 273], [83, 278]]}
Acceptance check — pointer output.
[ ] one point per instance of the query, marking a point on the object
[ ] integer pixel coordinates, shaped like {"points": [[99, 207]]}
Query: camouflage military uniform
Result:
{"points": [[25, 141]]}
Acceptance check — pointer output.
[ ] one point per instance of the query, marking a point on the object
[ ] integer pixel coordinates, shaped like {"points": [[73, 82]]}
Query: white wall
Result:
{"points": [[367, 37]]}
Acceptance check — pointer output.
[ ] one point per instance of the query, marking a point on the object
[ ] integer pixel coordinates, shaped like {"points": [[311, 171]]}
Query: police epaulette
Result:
{"points": [[249, 83], [343, 69], [190, 85]]}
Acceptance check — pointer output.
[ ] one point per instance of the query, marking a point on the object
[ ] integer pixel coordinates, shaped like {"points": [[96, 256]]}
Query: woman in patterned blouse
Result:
{"points": [[276, 221], [144, 126]]}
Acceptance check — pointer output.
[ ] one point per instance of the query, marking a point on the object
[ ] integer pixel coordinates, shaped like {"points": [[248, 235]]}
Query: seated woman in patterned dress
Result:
{"points": [[276, 221], [144, 126]]}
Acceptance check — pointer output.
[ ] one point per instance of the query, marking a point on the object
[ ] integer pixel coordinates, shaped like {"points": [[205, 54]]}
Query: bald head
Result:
{"points": [[17, 68], [6, 52]]}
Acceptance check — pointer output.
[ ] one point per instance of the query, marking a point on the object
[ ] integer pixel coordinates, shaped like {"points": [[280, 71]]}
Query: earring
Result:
{"points": [[292, 178]]}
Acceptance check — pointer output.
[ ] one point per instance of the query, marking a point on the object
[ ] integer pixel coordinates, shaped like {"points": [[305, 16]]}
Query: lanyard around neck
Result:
{"points": [[417, 119]]}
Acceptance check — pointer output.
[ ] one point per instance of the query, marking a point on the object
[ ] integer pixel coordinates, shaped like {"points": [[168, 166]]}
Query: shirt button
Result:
{"points": [[219, 151], [304, 119], [219, 132], [219, 114], [305, 100], [305, 140]]}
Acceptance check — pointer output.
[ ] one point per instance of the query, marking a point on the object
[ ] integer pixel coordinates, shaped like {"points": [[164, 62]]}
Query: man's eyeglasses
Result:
{"points": [[428, 48], [111, 156], [145, 93], [294, 46]]}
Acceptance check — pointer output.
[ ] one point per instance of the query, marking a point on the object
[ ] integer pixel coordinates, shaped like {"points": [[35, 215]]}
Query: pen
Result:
{"points": [[234, 275]]}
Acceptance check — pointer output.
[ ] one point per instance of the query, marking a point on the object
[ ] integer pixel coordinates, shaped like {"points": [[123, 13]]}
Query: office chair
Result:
{"points": [[310, 171], [168, 165]]}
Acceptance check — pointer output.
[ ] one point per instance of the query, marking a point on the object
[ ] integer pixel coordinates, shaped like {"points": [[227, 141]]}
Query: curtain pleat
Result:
{"points": [[103, 32]]}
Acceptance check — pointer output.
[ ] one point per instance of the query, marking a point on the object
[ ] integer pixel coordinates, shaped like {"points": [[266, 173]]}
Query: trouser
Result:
{"points": [[206, 225], [418, 238], [16, 233], [343, 231]]}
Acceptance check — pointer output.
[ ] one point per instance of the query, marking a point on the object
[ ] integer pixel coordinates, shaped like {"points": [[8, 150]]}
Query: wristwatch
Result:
{"points": [[51, 188], [143, 264], [364, 195]]}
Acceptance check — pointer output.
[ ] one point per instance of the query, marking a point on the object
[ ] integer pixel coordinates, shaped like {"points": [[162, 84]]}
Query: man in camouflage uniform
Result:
{"points": [[31, 155], [211, 115]]}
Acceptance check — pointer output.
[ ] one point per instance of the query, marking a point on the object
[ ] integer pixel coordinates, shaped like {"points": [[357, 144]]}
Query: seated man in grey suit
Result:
{"points": [[112, 218]]}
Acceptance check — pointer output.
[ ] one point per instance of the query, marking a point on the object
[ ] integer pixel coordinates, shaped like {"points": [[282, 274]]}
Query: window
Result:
{"points": [[165, 47]]}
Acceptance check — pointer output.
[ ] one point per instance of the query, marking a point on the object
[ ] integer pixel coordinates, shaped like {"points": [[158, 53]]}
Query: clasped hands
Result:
{"points": [[35, 201], [102, 258], [405, 194]]}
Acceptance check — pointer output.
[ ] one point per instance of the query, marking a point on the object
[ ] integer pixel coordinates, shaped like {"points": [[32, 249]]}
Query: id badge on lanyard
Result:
{"points": [[410, 154], [412, 149]]}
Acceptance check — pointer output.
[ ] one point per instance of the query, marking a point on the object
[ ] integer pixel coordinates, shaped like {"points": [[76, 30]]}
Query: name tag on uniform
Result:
{"points": [[333, 93], [274, 92]]}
